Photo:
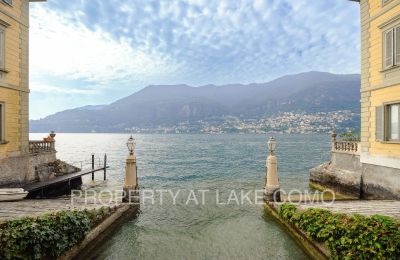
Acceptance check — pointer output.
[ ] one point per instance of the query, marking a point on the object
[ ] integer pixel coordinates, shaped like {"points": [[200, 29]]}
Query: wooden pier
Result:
{"points": [[70, 178], [65, 178]]}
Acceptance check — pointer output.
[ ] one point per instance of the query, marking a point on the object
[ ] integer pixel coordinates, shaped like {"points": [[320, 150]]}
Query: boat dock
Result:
{"points": [[64, 179], [68, 181]]}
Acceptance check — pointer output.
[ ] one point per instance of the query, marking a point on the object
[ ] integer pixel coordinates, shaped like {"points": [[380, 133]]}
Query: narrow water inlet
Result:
{"points": [[219, 164]]}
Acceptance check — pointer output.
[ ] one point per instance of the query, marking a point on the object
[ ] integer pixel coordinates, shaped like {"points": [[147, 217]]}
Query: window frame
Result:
{"points": [[395, 63], [385, 130], [3, 49], [388, 122], [2, 122], [385, 2], [10, 2]]}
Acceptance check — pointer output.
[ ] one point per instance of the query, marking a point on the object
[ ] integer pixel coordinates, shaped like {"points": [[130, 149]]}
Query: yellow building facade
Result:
{"points": [[14, 91], [380, 97]]}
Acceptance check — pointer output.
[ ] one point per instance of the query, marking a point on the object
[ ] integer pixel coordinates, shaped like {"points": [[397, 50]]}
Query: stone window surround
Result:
{"points": [[2, 123], [389, 75], [10, 2], [3, 26], [386, 121], [385, 2], [391, 25]]}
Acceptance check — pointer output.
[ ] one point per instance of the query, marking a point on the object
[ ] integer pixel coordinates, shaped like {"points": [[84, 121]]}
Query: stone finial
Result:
{"points": [[334, 135]]}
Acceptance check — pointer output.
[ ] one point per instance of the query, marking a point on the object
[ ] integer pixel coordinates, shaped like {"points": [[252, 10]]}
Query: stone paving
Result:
{"points": [[362, 207], [10, 210]]}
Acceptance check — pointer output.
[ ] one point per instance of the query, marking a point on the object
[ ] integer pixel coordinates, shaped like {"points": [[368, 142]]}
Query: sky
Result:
{"points": [[92, 52]]}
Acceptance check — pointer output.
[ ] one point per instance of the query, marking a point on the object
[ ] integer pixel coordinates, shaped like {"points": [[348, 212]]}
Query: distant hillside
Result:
{"points": [[171, 104]]}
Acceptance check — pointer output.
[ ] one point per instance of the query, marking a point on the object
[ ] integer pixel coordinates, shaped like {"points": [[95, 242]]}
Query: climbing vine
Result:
{"points": [[48, 236], [348, 236]]}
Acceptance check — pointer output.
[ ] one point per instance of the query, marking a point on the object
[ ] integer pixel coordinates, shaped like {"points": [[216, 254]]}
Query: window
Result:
{"points": [[384, 2], [391, 48], [2, 48], [388, 123], [2, 123], [393, 122], [8, 2]]}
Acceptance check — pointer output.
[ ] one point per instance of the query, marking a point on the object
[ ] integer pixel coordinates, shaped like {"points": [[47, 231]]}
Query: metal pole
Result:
{"points": [[105, 166], [93, 167]]}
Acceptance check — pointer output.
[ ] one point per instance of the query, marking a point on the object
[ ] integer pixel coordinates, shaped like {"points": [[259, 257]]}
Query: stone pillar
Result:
{"points": [[333, 141], [131, 182], [271, 191]]}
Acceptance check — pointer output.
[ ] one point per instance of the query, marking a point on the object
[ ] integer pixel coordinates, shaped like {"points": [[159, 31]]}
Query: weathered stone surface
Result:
{"points": [[339, 180], [36, 160], [50, 170], [14, 171], [380, 182], [344, 161], [345, 174]]}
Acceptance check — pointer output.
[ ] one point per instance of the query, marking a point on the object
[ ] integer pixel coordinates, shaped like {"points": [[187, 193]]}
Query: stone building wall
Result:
{"points": [[14, 93]]}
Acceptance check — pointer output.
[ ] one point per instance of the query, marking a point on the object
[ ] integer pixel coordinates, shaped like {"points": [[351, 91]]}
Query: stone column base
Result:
{"points": [[272, 195], [131, 195]]}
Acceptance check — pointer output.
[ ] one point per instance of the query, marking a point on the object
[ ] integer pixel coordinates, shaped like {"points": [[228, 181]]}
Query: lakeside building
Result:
{"points": [[380, 92], [371, 168], [15, 154]]}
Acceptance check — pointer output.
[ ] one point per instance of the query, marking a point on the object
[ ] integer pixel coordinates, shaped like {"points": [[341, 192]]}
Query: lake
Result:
{"points": [[215, 163]]}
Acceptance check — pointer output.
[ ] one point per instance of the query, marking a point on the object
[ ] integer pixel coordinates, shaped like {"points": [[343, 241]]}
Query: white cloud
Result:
{"points": [[62, 48], [122, 47], [38, 87]]}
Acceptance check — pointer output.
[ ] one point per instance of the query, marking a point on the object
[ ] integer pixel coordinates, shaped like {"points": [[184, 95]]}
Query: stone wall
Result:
{"points": [[342, 175], [16, 171], [13, 171], [346, 175], [38, 159], [380, 182]]}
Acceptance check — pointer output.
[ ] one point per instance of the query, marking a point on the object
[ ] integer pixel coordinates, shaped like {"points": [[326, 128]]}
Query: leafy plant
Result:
{"points": [[350, 136], [47, 236], [348, 236]]}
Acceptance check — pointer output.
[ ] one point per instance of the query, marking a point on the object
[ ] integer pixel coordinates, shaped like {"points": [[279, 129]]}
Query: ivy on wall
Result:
{"points": [[47, 236], [348, 236]]}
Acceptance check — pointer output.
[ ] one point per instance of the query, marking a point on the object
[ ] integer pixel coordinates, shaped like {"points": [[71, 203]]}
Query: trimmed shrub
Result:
{"points": [[348, 236], [47, 236]]}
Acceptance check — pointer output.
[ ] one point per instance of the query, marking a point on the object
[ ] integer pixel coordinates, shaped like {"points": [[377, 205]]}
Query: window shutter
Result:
{"points": [[1, 123], [389, 49], [380, 129], [2, 49], [397, 43]]}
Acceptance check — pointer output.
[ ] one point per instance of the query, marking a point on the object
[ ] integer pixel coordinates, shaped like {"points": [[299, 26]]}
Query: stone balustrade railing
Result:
{"points": [[349, 147], [41, 146], [346, 146]]}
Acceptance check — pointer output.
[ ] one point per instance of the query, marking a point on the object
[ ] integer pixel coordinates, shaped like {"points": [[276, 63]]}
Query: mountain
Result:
{"points": [[157, 105]]}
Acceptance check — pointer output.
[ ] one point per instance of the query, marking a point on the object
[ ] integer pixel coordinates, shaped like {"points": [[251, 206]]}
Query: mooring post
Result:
{"points": [[93, 167], [105, 166]]}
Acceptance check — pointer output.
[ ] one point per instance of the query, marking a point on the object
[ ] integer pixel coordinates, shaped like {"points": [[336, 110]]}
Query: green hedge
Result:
{"points": [[348, 236], [48, 236]]}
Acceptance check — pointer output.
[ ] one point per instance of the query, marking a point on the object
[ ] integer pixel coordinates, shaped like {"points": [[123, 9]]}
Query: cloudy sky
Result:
{"points": [[89, 52]]}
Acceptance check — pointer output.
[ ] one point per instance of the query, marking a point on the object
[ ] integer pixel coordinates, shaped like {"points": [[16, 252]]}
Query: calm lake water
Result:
{"points": [[199, 162]]}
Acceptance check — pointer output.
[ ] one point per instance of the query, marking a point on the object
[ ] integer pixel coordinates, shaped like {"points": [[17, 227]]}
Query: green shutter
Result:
{"points": [[380, 124], [389, 49], [1, 123], [397, 44]]}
